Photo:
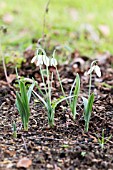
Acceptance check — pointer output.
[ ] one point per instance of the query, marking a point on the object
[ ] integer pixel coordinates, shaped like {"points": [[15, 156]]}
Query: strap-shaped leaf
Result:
{"points": [[89, 107], [61, 100], [30, 91], [19, 105], [38, 87], [76, 93], [41, 99], [24, 97], [77, 87]]}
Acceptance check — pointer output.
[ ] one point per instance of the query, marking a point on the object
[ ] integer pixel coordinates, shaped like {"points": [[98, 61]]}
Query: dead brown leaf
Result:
{"points": [[24, 163], [11, 77]]}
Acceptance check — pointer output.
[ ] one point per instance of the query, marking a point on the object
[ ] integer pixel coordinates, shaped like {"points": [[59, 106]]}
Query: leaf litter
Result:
{"points": [[65, 146]]}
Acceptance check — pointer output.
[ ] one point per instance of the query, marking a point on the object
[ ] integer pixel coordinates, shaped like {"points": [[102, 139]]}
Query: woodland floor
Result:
{"points": [[66, 146]]}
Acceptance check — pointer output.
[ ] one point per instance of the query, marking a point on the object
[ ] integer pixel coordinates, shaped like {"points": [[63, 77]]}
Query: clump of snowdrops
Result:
{"points": [[88, 103], [45, 96]]}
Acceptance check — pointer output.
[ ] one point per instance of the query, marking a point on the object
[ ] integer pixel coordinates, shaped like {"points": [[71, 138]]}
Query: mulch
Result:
{"points": [[65, 146]]}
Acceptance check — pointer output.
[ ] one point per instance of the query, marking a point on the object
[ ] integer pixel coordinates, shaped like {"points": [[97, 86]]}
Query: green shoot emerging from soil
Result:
{"points": [[50, 105], [102, 141], [73, 102], [88, 103], [22, 102], [14, 130]]}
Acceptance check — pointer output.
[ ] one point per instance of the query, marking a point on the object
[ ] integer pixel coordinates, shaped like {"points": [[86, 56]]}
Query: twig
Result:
{"points": [[3, 62], [4, 66], [44, 21], [25, 144], [49, 138]]}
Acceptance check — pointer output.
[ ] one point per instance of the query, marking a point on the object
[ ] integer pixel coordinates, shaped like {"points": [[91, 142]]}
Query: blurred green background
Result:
{"points": [[83, 25]]}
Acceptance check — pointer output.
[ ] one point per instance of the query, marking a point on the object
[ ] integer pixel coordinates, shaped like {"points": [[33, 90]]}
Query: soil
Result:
{"points": [[65, 146]]}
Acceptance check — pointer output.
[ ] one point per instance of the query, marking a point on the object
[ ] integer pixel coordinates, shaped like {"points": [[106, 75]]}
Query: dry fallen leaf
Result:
{"points": [[24, 163], [11, 77]]}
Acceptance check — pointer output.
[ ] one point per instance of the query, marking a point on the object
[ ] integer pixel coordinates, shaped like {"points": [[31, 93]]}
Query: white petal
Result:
{"points": [[97, 71], [86, 73], [53, 62], [91, 70], [40, 60], [34, 59], [46, 60]]}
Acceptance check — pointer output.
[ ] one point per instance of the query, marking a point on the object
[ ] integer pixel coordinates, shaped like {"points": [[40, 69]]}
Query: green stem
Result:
{"points": [[51, 82], [15, 134], [43, 80], [86, 126], [51, 117], [48, 82], [61, 85], [25, 125], [90, 80], [74, 105]]}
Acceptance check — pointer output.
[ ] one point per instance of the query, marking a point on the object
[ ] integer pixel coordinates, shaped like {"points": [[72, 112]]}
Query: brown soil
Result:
{"points": [[66, 146]]}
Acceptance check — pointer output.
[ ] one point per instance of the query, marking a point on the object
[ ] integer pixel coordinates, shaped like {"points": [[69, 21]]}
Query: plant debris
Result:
{"points": [[65, 146]]}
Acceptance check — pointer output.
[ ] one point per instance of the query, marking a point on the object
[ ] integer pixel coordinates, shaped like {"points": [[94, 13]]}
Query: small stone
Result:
{"points": [[50, 166]]}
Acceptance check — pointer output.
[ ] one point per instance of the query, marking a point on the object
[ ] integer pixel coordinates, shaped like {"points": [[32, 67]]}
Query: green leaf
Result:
{"points": [[77, 87], [24, 97], [61, 100], [90, 103], [76, 93], [30, 91], [23, 92], [38, 87], [23, 104], [41, 99], [19, 105], [89, 107]]}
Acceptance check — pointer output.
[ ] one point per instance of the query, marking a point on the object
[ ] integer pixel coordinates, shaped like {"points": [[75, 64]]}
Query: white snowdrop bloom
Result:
{"points": [[46, 60], [39, 60], [95, 68], [53, 62], [97, 71], [91, 70], [34, 59]]}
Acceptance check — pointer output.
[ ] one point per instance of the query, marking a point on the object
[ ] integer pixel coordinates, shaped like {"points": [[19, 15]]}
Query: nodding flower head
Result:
{"points": [[34, 59], [39, 60], [46, 60], [53, 62], [43, 59], [95, 68]]}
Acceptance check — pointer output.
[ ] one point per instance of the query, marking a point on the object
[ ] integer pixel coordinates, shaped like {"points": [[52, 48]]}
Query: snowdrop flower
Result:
{"points": [[46, 60], [39, 60], [95, 68], [53, 62], [90, 70], [97, 71], [34, 59]]}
